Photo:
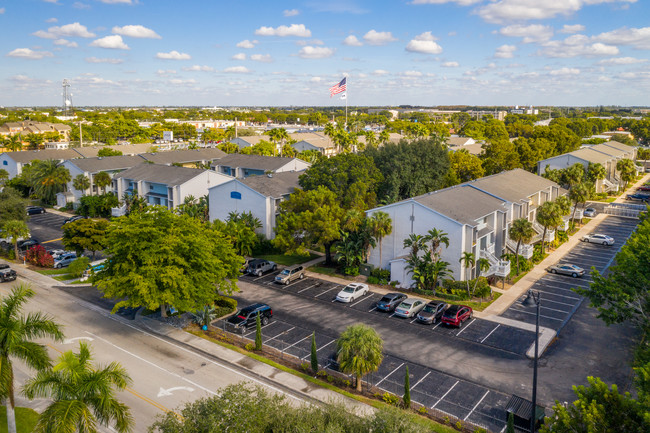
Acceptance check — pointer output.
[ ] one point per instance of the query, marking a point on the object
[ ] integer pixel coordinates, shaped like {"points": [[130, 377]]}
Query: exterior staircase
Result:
{"points": [[609, 186], [500, 268], [118, 211], [550, 234], [525, 250]]}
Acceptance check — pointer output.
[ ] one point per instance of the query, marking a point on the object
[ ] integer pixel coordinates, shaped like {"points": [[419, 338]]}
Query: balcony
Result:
{"points": [[550, 234], [500, 268], [525, 250]]}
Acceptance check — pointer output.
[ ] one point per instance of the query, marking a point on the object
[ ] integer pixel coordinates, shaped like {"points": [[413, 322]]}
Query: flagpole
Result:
{"points": [[346, 109]]}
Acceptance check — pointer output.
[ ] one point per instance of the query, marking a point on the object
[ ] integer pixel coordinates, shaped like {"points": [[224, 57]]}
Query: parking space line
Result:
{"points": [[362, 299], [313, 285], [424, 377], [261, 276], [445, 394], [459, 332], [392, 315], [558, 302], [532, 314], [325, 345], [554, 309], [263, 327], [328, 290], [490, 333], [302, 339], [372, 309], [283, 332], [560, 288], [557, 294], [476, 405], [386, 377], [291, 284], [439, 323]]}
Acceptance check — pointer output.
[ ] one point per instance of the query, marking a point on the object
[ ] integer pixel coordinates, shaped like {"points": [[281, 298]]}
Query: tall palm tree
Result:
{"points": [[468, 260], [84, 395], [415, 242], [380, 226], [48, 178], [578, 194], [521, 231], [384, 137], [371, 139], [15, 229], [548, 216], [81, 183], [596, 172], [16, 334], [437, 238], [14, 143], [439, 270], [627, 169], [102, 180], [278, 136], [482, 265], [360, 351]]}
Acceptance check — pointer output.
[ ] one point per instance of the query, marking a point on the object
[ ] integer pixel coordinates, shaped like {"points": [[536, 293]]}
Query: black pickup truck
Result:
{"points": [[6, 273]]}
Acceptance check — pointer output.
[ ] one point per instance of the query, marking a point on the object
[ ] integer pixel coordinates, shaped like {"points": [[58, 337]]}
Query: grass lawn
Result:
{"points": [[64, 277], [329, 271], [286, 260], [52, 271], [25, 419]]}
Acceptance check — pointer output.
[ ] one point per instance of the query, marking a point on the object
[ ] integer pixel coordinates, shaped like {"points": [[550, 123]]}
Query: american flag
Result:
{"points": [[338, 88]]}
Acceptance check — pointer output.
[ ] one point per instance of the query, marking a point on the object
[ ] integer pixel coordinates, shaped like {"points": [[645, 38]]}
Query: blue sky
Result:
{"points": [[280, 53]]}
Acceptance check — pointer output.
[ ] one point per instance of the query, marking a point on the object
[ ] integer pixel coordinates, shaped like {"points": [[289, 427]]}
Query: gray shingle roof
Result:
{"points": [[108, 163], [617, 145], [157, 173], [591, 155], [257, 162], [461, 203], [276, 186], [184, 156], [27, 156], [513, 185]]}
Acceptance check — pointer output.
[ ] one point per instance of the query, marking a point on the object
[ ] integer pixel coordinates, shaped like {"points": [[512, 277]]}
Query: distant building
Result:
{"points": [[242, 166], [29, 127]]}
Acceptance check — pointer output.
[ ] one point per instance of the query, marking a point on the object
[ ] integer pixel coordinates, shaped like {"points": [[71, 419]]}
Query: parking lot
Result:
{"points": [[46, 228], [559, 301]]}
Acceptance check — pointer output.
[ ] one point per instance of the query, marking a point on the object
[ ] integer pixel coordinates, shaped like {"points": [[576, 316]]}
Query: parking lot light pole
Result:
{"points": [[534, 299]]}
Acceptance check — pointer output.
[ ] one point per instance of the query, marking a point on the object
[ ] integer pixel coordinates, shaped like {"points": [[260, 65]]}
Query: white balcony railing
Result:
{"points": [[550, 234], [525, 250], [500, 268]]}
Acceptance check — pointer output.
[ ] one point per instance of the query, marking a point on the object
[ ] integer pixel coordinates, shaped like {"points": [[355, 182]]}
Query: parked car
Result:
{"points": [[455, 315], [432, 312], [644, 188], [638, 197], [56, 253], [390, 301], [6, 273], [93, 268], [26, 244], [409, 307], [35, 210], [64, 260], [74, 218], [590, 212], [247, 316], [352, 292], [566, 269], [290, 274], [598, 238], [260, 266]]}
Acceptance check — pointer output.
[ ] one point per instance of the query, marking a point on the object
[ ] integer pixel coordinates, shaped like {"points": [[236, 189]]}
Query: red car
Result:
{"points": [[456, 314]]}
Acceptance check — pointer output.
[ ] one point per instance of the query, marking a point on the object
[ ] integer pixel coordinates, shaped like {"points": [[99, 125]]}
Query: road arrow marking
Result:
{"points": [[164, 392], [72, 340]]}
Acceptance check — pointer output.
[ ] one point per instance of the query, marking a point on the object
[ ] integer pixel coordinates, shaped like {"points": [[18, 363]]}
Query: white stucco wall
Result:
{"points": [[294, 165], [7, 163], [198, 186]]}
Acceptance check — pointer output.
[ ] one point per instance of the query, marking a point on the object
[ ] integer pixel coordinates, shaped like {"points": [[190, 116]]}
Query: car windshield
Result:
{"points": [[348, 289], [285, 272], [386, 299], [429, 309], [405, 305]]}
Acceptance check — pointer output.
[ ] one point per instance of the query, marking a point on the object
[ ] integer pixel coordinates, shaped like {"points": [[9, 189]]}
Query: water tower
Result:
{"points": [[67, 99]]}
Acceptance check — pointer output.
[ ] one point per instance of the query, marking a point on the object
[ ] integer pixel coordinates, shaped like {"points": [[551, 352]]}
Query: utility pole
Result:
{"points": [[81, 136]]}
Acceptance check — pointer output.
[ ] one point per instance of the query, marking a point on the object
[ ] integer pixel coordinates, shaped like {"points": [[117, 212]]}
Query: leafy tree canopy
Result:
{"points": [[85, 234], [12, 205]]}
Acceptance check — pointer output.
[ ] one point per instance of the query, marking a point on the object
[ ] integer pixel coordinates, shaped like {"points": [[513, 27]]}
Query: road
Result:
{"points": [[165, 374]]}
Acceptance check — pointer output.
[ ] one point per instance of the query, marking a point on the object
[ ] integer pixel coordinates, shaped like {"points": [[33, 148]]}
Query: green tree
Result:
{"points": [[521, 231], [579, 194], [48, 178], [437, 238], [468, 260], [158, 258], [278, 136], [465, 166], [34, 140], [83, 395], [381, 226], [499, 155], [573, 175], [15, 229], [102, 180], [549, 216], [17, 333], [510, 427], [107, 151], [81, 183], [596, 172], [4, 176], [78, 266], [309, 218], [195, 208], [14, 143], [258, 332], [314, 353], [360, 351], [627, 169], [12, 205], [85, 234], [406, 398]]}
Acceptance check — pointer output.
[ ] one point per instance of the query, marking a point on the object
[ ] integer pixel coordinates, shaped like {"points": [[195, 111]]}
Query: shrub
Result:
{"points": [[250, 347], [39, 257], [445, 419], [459, 425], [562, 236], [373, 280], [390, 398], [305, 367], [78, 266], [394, 283], [224, 305], [537, 254], [97, 205], [329, 378], [351, 270], [347, 383], [422, 410], [381, 274]]}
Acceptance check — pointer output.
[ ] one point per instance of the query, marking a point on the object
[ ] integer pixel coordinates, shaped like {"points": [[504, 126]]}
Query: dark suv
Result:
{"points": [[390, 301], [246, 317], [6, 273]]}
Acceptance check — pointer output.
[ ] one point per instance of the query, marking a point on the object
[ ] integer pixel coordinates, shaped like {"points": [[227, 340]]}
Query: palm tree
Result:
{"points": [[380, 226], [627, 169], [359, 351], [384, 137], [84, 395], [16, 334], [353, 219], [438, 270], [102, 180], [415, 242], [278, 136], [579, 193], [81, 183], [230, 132], [49, 177], [596, 172], [14, 143], [481, 266], [437, 238], [371, 139], [15, 229], [468, 260], [521, 231], [548, 216], [348, 250]]}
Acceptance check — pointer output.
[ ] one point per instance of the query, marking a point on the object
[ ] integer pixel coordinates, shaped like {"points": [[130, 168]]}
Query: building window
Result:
{"points": [[150, 187], [4, 163], [235, 195]]}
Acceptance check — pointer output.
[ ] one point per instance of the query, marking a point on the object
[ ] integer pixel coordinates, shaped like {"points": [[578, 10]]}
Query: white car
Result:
{"points": [[598, 238], [352, 292], [590, 212]]}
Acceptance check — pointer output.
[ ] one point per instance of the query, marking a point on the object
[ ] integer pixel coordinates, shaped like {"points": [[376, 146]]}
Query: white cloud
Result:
{"points": [[424, 43], [291, 12], [380, 72], [576, 46], [239, 56], [237, 70], [126, 2], [181, 82], [263, 58], [246, 44], [51, 1], [374, 37], [293, 30], [637, 37], [310, 52], [450, 64], [530, 33], [570, 29], [26, 53], [136, 31], [163, 72], [502, 11], [51, 20], [113, 42], [173, 55], [79, 5], [616, 61], [104, 60], [352, 41], [439, 2], [565, 71], [505, 52], [412, 74], [74, 30], [65, 43], [315, 79], [199, 68]]}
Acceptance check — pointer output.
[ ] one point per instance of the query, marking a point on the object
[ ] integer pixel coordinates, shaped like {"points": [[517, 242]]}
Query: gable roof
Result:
{"points": [[276, 185], [591, 155], [461, 203], [107, 163], [157, 173], [126, 149], [184, 156], [455, 140], [27, 156], [617, 145], [256, 162], [513, 185]]}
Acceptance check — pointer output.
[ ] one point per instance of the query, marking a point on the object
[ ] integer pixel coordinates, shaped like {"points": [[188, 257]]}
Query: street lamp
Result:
{"points": [[534, 299]]}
